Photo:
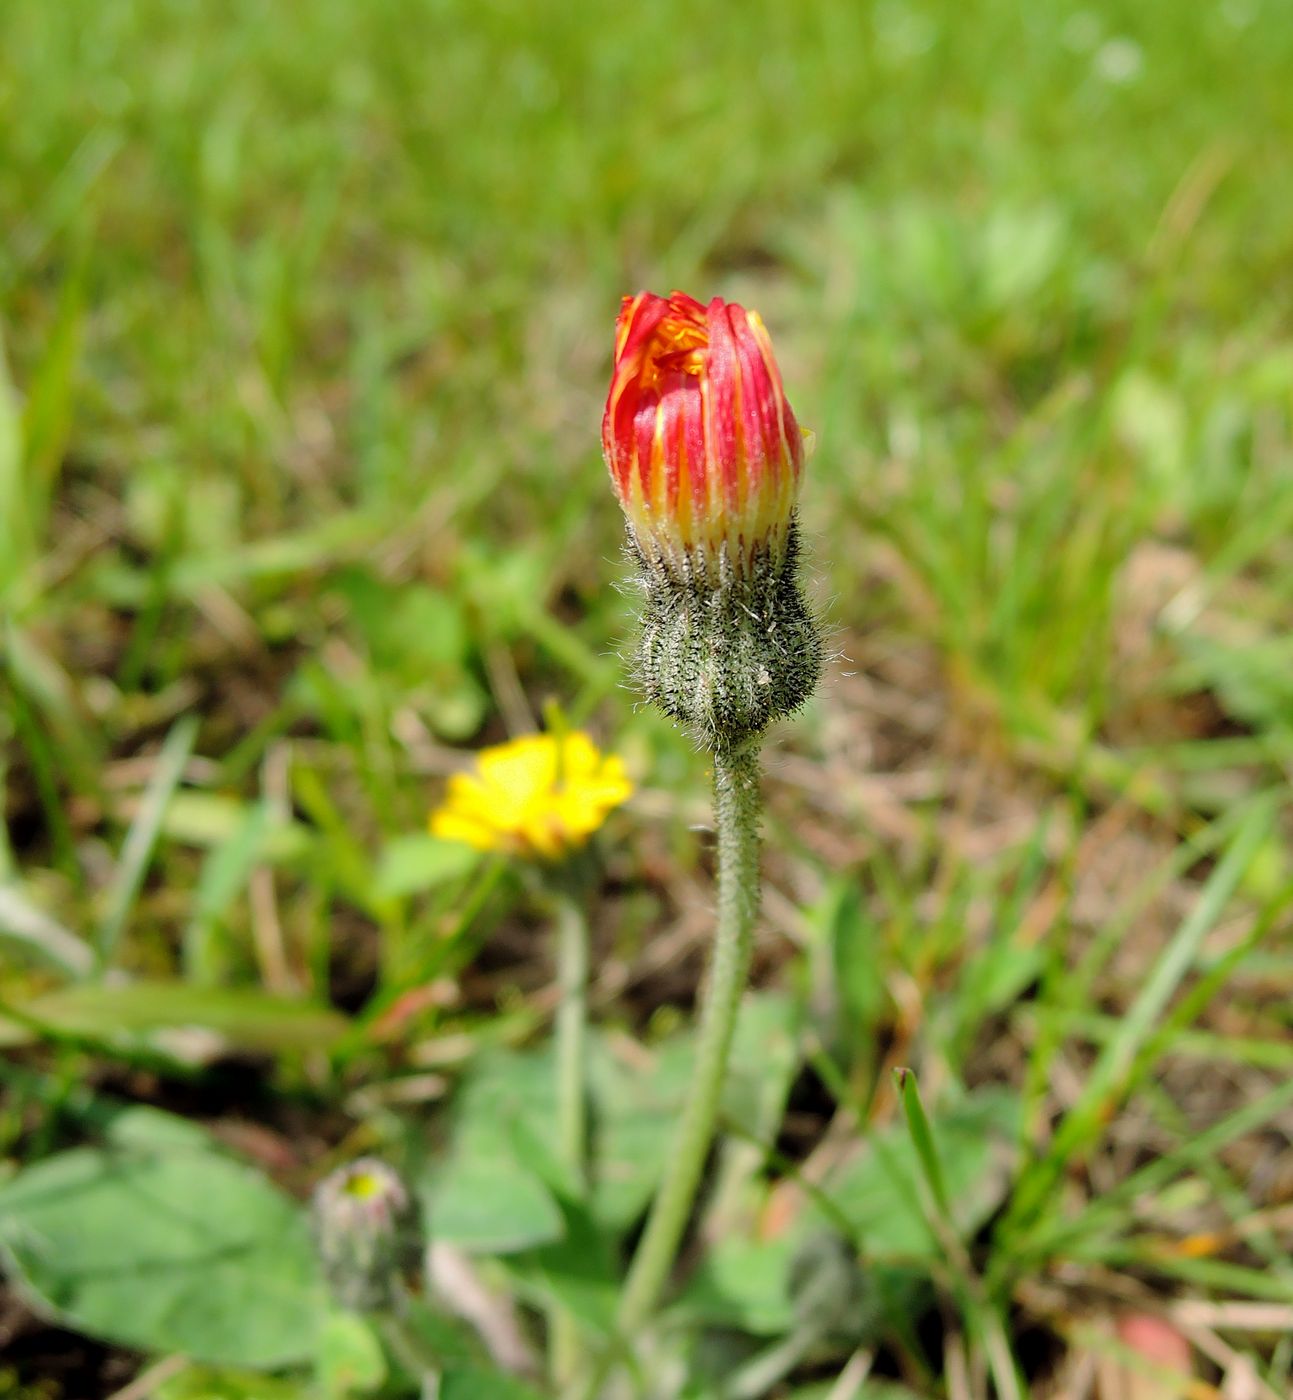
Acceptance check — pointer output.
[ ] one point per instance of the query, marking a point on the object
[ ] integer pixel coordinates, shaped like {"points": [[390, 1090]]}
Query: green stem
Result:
{"points": [[572, 1113], [736, 817], [572, 1037]]}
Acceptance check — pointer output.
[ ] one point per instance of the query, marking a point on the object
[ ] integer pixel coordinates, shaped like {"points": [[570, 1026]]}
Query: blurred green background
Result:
{"points": [[306, 314], [298, 291]]}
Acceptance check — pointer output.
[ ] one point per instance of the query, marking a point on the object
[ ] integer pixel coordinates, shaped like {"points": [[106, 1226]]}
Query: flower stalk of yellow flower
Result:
{"points": [[571, 1029], [705, 456], [572, 1035]]}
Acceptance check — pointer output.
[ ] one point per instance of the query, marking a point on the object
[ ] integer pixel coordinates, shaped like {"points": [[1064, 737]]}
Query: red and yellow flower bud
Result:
{"points": [[706, 456], [702, 445]]}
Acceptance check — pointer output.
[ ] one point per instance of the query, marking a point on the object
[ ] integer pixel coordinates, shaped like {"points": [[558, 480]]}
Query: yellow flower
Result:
{"points": [[541, 795]]}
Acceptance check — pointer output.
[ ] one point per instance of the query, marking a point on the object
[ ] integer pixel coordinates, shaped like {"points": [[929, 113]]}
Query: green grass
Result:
{"points": [[305, 319]]}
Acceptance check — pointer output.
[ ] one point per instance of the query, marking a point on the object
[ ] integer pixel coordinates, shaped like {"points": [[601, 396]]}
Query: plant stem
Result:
{"points": [[572, 1115], [736, 817], [572, 1036]]}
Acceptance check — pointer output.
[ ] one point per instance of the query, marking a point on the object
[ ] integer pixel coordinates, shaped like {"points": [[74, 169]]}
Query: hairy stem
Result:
{"points": [[736, 816]]}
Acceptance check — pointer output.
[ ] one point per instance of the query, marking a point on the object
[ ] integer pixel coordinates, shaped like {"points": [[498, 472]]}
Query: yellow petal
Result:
{"points": [[542, 793]]}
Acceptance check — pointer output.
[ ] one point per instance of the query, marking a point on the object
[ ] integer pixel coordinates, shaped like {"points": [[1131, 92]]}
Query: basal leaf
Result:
{"points": [[173, 1249]]}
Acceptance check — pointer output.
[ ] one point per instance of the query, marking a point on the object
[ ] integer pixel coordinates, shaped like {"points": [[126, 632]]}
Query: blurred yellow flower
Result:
{"points": [[540, 795]]}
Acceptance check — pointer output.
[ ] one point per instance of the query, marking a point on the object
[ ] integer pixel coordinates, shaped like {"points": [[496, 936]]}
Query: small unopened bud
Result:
{"points": [[367, 1232], [705, 456]]}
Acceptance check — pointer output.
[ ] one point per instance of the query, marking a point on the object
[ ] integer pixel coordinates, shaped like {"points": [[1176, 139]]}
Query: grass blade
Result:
{"points": [[1109, 1079], [137, 850], [34, 932], [923, 1140], [983, 1317]]}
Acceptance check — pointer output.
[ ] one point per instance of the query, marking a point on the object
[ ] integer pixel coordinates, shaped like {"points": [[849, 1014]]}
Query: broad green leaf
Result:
{"points": [[175, 1249], [764, 1058], [147, 1129], [743, 1283], [578, 1271], [349, 1358], [482, 1199], [635, 1097], [449, 1337]]}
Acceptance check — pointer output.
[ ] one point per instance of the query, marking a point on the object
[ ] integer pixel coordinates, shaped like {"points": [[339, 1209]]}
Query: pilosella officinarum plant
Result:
{"points": [[706, 456]]}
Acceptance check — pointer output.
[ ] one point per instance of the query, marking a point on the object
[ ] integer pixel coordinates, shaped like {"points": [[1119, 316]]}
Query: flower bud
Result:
{"points": [[705, 456], [367, 1233], [703, 447]]}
